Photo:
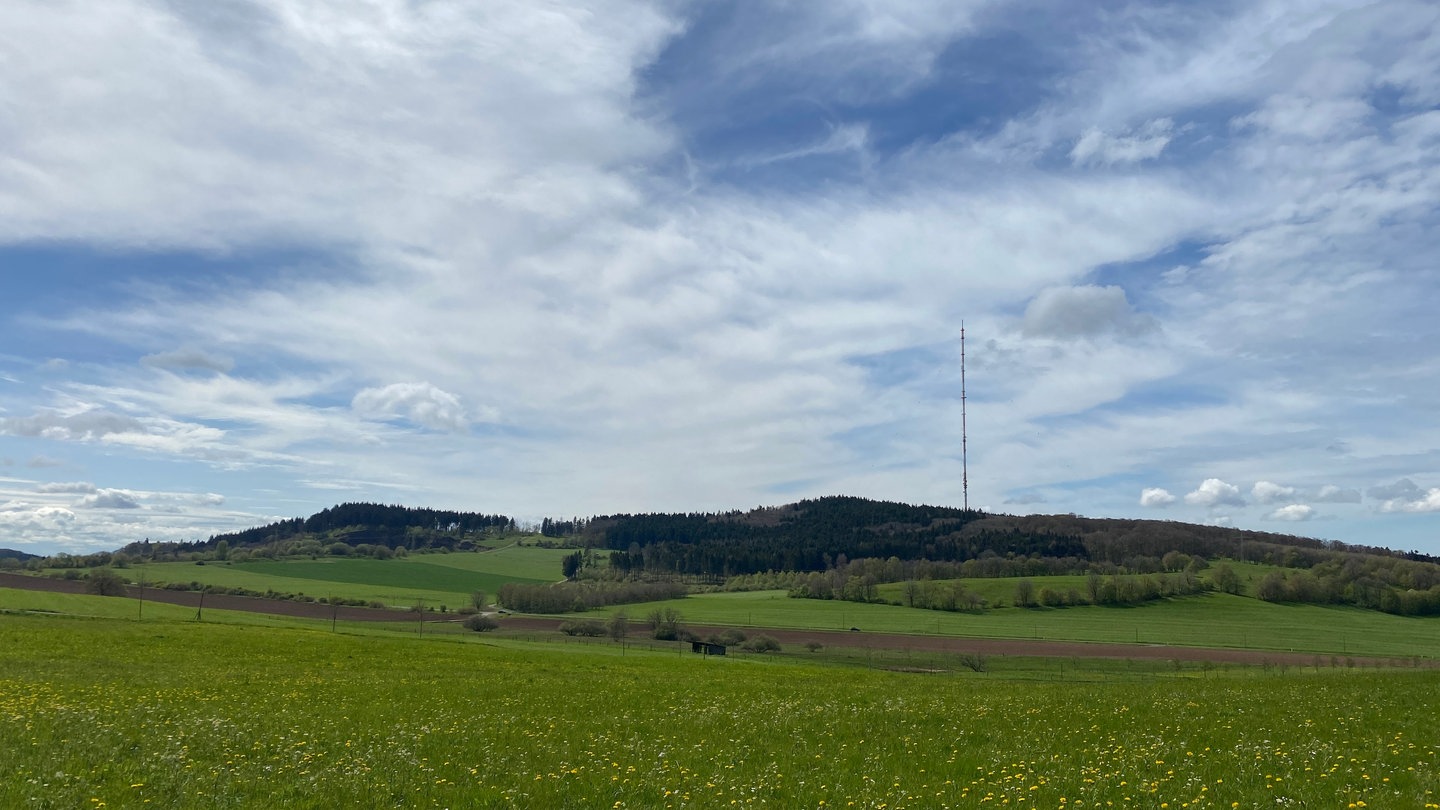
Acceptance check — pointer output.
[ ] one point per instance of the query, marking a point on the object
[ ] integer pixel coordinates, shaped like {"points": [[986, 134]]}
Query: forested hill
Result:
{"points": [[811, 535], [372, 523], [806, 536], [814, 535]]}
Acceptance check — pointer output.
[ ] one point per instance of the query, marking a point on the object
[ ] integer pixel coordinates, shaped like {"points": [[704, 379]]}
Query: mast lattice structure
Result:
{"points": [[964, 428]]}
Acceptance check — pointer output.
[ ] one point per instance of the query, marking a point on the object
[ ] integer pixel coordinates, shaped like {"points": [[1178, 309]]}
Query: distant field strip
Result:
{"points": [[431, 577], [388, 573], [1211, 620]]}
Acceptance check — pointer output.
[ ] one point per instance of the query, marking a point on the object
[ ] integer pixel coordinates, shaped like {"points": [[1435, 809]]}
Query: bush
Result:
{"points": [[975, 662], [664, 624], [761, 644], [588, 627], [570, 597], [104, 582], [619, 626], [481, 624]]}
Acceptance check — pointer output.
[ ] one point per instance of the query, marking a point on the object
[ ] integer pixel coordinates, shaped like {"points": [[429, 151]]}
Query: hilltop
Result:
{"points": [[813, 535], [809, 535]]}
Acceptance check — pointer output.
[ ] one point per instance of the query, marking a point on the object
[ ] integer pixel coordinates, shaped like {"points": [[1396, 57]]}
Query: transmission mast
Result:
{"points": [[964, 449]]}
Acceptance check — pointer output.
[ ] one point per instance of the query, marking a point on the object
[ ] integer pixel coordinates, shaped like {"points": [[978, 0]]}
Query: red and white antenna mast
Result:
{"points": [[964, 449]]}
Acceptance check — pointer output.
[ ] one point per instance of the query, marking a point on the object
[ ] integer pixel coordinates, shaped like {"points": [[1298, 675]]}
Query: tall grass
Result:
{"points": [[108, 713]]}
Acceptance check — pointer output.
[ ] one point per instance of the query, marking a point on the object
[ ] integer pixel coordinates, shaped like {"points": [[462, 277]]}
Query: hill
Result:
{"points": [[813, 535], [19, 556], [842, 547], [367, 528]]}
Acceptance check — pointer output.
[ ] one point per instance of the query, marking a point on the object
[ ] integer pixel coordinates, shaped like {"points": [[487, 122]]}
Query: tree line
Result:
{"points": [[1387, 584], [356, 524], [574, 597], [812, 535]]}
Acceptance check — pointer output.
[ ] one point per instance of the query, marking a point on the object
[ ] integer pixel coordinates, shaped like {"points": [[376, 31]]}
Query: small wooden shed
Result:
{"points": [[707, 648]]}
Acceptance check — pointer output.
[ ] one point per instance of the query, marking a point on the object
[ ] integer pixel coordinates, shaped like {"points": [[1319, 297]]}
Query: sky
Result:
{"points": [[259, 257]]}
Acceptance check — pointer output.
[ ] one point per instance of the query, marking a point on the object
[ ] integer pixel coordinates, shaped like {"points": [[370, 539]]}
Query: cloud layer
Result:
{"points": [[631, 256]]}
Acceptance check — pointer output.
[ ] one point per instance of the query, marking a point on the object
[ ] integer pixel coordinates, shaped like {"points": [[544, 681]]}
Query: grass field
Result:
{"points": [[434, 578], [436, 626], [1211, 620], [119, 713]]}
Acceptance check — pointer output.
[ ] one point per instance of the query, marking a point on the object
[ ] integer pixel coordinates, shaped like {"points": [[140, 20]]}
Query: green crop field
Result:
{"points": [[1210, 620], [126, 714], [12, 600], [433, 578]]}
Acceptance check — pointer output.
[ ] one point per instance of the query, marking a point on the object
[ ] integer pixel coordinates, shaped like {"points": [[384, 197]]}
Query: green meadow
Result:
{"points": [[166, 712], [436, 578], [1209, 620]]}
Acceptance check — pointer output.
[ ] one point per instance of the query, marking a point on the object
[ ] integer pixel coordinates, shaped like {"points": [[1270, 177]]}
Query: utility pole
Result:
{"points": [[964, 449]]}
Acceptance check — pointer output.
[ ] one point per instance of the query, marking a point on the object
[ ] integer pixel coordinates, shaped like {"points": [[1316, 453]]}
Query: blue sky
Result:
{"points": [[262, 257]]}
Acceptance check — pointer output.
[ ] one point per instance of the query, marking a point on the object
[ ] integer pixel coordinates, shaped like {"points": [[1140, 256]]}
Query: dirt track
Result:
{"points": [[830, 638]]}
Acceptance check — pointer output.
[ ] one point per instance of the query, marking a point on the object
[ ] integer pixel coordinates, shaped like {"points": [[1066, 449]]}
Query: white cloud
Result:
{"points": [[1403, 489], [1406, 496], [1330, 493], [1291, 512], [73, 487], [88, 424], [843, 139], [109, 499], [26, 521], [1068, 312], [1214, 492], [1096, 147], [50, 519], [491, 201], [188, 360], [471, 117], [421, 403], [1155, 497], [1270, 492]]}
